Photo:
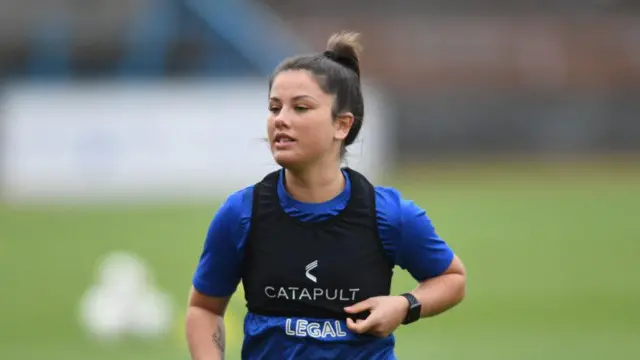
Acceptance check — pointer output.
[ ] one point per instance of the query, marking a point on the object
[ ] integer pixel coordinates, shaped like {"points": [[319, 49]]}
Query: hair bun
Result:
{"points": [[345, 48]]}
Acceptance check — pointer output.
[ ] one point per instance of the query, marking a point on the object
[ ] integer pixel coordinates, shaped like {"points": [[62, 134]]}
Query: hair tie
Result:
{"points": [[330, 54], [342, 60]]}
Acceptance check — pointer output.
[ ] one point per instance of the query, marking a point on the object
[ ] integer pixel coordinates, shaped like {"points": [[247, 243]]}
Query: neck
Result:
{"points": [[316, 184]]}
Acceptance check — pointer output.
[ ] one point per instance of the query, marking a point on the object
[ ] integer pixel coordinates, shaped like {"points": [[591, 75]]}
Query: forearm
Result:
{"points": [[440, 294], [205, 334]]}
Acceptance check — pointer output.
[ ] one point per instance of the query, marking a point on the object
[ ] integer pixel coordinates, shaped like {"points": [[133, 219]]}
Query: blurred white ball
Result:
{"points": [[102, 314], [151, 315], [125, 301], [123, 271]]}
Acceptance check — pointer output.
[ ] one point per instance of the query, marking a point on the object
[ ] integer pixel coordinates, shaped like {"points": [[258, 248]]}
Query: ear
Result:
{"points": [[342, 125]]}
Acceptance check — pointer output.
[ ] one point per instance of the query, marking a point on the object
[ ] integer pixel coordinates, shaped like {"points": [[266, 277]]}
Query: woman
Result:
{"points": [[313, 243]]}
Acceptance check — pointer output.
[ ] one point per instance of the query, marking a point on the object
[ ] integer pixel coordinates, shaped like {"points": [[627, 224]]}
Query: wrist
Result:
{"points": [[413, 308], [403, 304]]}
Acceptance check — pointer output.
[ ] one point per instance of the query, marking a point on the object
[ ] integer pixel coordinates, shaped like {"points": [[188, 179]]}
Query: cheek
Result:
{"points": [[270, 127], [318, 137]]}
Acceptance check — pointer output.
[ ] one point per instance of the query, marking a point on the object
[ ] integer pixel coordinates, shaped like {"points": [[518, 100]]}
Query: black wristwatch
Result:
{"points": [[414, 309]]}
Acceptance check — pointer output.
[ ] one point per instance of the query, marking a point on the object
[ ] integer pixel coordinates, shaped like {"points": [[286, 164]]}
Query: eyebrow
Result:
{"points": [[298, 97]]}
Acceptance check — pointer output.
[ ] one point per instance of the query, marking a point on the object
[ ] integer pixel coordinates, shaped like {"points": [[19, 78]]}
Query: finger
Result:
{"points": [[359, 326], [350, 323], [380, 331], [359, 307]]}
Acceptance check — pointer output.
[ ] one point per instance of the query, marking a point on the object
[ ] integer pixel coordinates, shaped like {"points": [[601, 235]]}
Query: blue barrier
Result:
{"points": [[254, 37], [50, 50], [235, 37], [147, 46]]}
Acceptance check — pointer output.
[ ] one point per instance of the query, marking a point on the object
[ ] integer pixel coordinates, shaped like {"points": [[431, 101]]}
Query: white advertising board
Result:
{"points": [[119, 140]]}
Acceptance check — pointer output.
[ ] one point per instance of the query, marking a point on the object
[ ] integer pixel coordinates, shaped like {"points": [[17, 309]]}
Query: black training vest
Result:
{"points": [[313, 269]]}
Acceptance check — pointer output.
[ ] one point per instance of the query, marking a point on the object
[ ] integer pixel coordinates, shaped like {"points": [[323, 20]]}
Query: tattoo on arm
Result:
{"points": [[218, 338]]}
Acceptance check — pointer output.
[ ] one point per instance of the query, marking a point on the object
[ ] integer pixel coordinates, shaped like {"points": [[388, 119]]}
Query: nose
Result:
{"points": [[281, 120]]}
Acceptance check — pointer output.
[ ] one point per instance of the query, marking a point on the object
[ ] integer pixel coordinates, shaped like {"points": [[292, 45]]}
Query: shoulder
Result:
{"points": [[398, 216], [235, 212], [411, 235], [392, 206], [239, 203], [388, 201], [219, 268]]}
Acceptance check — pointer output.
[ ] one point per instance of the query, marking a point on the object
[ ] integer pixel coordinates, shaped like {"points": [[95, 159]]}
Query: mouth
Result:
{"points": [[283, 139]]}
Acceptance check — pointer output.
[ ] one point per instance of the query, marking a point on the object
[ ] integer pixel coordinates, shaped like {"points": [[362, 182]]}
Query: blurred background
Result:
{"points": [[125, 124]]}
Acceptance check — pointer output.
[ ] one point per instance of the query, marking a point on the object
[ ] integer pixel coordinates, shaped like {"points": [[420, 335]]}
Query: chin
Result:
{"points": [[286, 160]]}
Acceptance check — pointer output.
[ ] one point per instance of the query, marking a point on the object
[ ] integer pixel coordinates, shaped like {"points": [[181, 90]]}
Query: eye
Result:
{"points": [[301, 108], [274, 109]]}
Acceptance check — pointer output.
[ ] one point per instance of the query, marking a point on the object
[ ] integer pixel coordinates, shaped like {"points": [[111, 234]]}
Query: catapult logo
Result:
{"points": [[309, 267], [297, 293]]}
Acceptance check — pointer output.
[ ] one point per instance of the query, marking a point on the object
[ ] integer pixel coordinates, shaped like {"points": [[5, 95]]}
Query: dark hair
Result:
{"points": [[337, 71]]}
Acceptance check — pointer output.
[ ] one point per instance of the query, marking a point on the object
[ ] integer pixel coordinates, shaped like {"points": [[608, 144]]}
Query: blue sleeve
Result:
{"points": [[219, 269], [419, 249]]}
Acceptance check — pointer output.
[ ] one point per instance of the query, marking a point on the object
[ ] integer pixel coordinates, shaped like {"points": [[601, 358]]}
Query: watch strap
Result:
{"points": [[413, 314]]}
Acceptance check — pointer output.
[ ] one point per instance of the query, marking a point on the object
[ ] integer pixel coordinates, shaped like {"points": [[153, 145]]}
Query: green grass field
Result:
{"points": [[550, 254]]}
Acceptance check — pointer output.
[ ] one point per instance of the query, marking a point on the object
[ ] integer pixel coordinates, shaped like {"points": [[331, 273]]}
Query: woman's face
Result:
{"points": [[300, 126]]}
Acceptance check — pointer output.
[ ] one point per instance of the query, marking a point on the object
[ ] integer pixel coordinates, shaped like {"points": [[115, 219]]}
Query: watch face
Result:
{"points": [[414, 309], [413, 302]]}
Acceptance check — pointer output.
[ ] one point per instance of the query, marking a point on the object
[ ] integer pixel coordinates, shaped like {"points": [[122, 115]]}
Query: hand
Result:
{"points": [[386, 314]]}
